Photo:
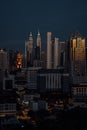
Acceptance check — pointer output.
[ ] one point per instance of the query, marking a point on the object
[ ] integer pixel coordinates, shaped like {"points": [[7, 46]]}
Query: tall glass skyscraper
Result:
{"points": [[78, 55]]}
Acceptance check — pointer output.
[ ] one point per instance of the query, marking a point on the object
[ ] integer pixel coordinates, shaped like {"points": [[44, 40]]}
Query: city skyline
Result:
{"points": [[19, 18]]}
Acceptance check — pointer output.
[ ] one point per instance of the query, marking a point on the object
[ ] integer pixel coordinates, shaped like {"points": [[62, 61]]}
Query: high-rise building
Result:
{"points": [[78, 55], [12, 60], [3, 66], [86, 58], [49, 80], [78, 68], [3, 60], [56, 53], [43, 59], [29, 51], [39, 45], [52, 52], [19, 61], [32, 73], [64, 55], [49, 50]]}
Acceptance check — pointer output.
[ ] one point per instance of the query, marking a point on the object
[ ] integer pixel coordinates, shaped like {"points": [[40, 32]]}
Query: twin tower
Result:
{"points": [[53, 53], [32, 53]]}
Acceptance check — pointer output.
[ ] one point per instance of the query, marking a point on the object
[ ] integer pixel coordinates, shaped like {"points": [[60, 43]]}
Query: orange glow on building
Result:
{"points": [[78, 55], [19, 61]]}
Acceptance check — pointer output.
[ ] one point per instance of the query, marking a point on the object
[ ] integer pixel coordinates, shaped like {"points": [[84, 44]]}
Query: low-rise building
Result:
{"points": [[79, 92], [52, 80], [34, 106], [38, 105], [8, 82], [8, 102]]}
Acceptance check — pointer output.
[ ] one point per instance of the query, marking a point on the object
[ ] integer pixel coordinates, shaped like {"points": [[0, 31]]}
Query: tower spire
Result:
{"points": [[30, 37], [38, 33], [30, 34]]}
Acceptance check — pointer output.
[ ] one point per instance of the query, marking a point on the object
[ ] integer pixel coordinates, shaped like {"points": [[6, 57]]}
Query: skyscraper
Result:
{"points": [[19, 61], [3, 60], [78, 55], [49, 50], [3, 66], [64, 55], [39, 45], [53, 52], [29, 51], [78, 68], [56, 53], [12, 59]]}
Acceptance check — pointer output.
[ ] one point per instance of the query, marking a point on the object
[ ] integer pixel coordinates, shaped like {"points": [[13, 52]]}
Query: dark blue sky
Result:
{"points": [[61, 17]]}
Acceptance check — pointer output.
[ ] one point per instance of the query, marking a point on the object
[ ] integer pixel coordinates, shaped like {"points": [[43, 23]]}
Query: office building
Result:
{"points": [[52, 80], [56, 53], [12, 60], [78, 55], [32, 77], [29, 51], [38, 46], [78, 67], [8, 103], [33, 106], [43, 59], [49, 50], [8, 82], [79, 92], [19, 61], [20, 79], [3, 60], [39, 105], [53, 52]]}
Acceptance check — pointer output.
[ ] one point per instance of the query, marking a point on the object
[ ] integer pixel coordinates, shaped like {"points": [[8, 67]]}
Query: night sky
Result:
{"points": [[20, 17]]}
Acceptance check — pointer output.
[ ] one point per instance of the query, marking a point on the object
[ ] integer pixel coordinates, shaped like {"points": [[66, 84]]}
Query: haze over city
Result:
{"points": [[18, 18]]}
